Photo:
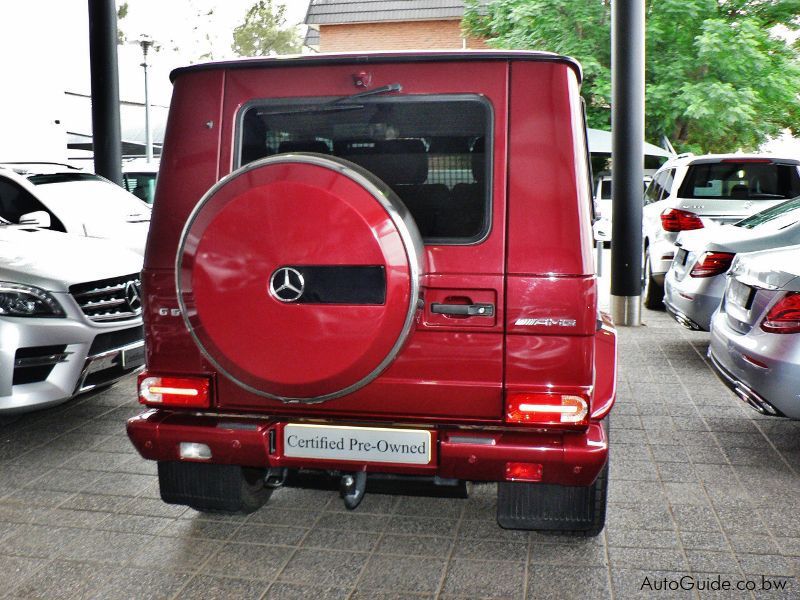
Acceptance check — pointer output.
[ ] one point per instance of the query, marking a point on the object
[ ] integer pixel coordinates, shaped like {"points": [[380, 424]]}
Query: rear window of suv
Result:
{"points": [[745, 180], [431, 150]]}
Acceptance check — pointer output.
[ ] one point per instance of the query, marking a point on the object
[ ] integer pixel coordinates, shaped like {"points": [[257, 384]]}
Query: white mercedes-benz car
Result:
{"points": [[70, 315], [63, 198]]}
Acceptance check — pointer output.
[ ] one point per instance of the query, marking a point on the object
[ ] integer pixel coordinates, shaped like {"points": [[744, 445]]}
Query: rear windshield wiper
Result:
{"points": [[337, 104]]}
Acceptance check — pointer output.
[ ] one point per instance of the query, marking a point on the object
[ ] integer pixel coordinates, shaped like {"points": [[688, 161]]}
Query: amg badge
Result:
{"points": [[547, 322]]}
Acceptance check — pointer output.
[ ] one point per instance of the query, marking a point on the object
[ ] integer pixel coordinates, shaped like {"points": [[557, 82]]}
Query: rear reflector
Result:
{"points": [[181, 392], [516, 471], [712, 264], [674, 220], [546, 408], [784, 316]]}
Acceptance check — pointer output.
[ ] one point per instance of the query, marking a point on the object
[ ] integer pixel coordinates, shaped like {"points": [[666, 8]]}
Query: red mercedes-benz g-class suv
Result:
{"points": [[378, 266]]}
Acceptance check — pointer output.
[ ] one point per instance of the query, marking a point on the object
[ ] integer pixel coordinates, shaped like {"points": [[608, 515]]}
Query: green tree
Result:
{"points": [[263, 32], [718, 76]]}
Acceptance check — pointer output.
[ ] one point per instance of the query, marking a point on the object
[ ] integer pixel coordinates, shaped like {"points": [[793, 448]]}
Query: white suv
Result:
{"points": [[70, 316], [691, 192], [63, 198]]}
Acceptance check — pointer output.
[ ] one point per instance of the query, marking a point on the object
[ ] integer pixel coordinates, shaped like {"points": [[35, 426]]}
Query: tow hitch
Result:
{"points": [[352, 488]]}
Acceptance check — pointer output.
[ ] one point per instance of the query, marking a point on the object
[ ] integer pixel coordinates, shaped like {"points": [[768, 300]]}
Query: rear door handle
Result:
{"points": [[467, 310]]}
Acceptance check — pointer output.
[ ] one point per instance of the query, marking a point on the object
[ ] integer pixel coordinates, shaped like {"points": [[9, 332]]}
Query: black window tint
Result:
{"points": [[605, 189], [431, 151], [744, 180], [654, 190], [667, 181], [16, 201]]}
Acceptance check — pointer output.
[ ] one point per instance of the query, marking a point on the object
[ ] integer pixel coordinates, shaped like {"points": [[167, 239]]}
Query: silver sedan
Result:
{"points": [[755, 334], [695, 282]]}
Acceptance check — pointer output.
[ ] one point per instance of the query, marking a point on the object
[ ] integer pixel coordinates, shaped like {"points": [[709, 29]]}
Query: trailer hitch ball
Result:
{"points": [[352, 488]]}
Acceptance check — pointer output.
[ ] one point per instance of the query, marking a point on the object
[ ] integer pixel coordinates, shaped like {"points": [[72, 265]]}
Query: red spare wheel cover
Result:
{"points": [[298, 276]]}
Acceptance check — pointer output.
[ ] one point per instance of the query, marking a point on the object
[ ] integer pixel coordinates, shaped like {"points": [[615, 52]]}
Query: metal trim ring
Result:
{"points": [[398, 213]]}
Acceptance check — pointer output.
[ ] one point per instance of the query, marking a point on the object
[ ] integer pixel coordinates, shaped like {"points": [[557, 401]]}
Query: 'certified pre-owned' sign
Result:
{"points": [[366, 444]]}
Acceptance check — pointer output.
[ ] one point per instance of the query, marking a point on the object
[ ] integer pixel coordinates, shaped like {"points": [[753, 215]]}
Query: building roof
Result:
{"points": [[336, 12]]}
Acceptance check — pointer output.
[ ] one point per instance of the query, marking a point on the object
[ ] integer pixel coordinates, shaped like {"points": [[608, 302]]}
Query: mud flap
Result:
{"points": [[209, 487], [547, 507]]}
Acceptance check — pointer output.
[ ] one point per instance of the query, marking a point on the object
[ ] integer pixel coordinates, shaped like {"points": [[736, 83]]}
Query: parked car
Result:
{"points": [[692, 192], [695, 282], [70, 316], [67, 199], [755, 334], [603, 206], [339, 310], [139, 178]]}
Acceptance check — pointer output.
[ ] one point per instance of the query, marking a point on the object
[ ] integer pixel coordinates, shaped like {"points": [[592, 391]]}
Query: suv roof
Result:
{"points": [[381, 57], [684, 160], [38, 168]]}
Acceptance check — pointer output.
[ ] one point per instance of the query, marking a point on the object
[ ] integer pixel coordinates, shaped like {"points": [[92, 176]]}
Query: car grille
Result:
{"points": [[116, 339], [115, 299]]}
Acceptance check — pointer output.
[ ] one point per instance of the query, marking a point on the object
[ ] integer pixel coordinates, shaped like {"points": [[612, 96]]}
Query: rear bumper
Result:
{"points": [[692, 301], [567, 458]]}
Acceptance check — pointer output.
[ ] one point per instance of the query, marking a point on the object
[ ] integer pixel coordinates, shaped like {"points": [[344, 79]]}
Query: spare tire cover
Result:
{"points": [[298, 276]]}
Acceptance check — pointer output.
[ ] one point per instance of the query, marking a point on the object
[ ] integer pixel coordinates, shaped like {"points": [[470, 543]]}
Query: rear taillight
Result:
{"points": [[179, 392], [674, 220], [544, 408], [711, 264], [784, 316]]}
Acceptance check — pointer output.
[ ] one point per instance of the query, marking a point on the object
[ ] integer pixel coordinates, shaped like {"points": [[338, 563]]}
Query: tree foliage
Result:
{"points": [[263, 32], [718, 75]]}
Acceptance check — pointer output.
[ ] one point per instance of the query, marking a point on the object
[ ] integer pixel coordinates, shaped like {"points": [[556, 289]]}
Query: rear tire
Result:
{"points": [[556, 509], [653, 293], [229, 489]]}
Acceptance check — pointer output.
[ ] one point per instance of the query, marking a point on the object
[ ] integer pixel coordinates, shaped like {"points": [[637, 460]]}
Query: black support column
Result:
{"points": [[627, 158], [106, 137]]}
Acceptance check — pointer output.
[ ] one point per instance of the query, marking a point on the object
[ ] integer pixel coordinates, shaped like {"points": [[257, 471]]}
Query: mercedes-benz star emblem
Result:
{"points": [[133, 295], [286, 284]]}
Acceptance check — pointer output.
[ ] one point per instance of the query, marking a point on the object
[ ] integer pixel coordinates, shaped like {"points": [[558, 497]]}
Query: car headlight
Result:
{"points": [[18, 300]]}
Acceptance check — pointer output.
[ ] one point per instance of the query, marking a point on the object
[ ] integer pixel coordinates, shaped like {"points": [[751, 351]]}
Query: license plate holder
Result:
{"points": [[740, 294], [133, 357], [357, 444]]}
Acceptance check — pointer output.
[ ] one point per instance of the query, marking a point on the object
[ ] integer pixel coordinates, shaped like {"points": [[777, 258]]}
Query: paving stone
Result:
{"points": [[339, 539], [121, 583], [640, 538], [175, 554], [593, 582], [60, 579], [105, 546], [290, 591], [324, 567], [402, 573], [485, 578], [254, 533], [418, 545], [209, 587], [39, 541], [248, 561], [16, 569], [646, 558]]}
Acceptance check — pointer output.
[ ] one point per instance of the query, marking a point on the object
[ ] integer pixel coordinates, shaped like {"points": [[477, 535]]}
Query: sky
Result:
{"points": [[180, 28], [44, 45]]}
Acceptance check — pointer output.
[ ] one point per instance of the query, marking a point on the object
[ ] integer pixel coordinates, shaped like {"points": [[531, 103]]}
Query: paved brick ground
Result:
{"points": [[700, 485]]}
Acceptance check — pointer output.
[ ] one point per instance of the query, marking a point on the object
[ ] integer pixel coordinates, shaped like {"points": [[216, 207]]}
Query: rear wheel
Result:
{"points": [[213, 488], [653, 293]]}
